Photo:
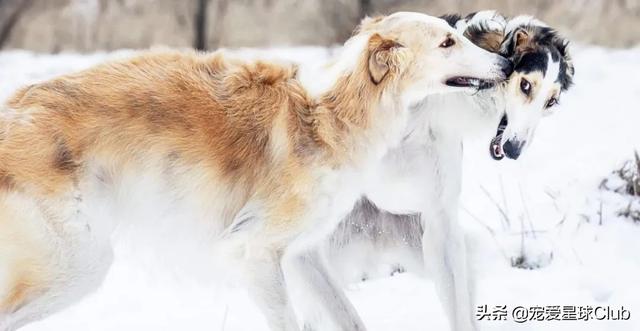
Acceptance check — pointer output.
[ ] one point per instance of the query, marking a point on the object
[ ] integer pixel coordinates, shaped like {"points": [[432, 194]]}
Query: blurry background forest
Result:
{"points": [[53, 26]]}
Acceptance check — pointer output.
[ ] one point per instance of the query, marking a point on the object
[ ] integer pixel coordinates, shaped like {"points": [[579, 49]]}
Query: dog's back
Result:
{"points": [[157, 104]]}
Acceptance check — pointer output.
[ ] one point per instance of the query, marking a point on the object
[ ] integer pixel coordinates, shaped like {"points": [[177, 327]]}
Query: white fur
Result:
{"points": [[523, 20], [490, 18]]}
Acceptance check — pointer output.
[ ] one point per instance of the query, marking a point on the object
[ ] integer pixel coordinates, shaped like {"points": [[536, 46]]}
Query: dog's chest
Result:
{"points": [[333, 196], [416, 173]]}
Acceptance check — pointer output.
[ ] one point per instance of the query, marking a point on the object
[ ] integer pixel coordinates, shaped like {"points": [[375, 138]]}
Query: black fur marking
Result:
{"points": [[508, 47], [63, 157], [532, 61], [470, 16], [555, 54], [557, 46], [565, 77], [451, 19], [238, 226]]}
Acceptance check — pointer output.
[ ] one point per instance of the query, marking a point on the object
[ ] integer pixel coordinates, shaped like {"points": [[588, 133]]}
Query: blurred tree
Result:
{"points": [[89, 25], [10, 11], [365, 8], [201, 24]]}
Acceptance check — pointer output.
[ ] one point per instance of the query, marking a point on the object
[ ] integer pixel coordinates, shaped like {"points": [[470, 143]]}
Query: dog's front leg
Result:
{"points": [[261, 258], [443, 241], [445, 259], [322, 304], [266, 286]]}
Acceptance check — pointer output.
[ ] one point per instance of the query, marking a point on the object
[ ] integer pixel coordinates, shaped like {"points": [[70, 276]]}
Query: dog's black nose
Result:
{"points": [[507, 68], [512, 148]]}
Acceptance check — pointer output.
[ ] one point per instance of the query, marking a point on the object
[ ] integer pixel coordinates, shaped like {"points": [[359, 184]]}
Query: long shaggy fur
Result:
{"points": [[243, 151]]}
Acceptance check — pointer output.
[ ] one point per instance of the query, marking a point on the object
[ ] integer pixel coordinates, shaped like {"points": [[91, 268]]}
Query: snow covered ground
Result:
{"points": [[558, 220]]}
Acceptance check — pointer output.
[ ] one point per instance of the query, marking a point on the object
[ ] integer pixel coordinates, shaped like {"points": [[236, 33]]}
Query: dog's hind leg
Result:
{"points": [[322, 303], [49, 258], [445, 259]]}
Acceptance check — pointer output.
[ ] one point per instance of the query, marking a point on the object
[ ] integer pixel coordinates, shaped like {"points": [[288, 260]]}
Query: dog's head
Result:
{"points": [[542, 71], [423, 55]]}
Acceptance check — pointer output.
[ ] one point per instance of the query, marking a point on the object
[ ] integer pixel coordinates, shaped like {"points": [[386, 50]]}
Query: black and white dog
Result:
{"points": [[408, 219]]}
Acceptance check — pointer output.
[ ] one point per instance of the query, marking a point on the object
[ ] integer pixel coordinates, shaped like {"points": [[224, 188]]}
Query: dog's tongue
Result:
{"points": [[495, 147]]}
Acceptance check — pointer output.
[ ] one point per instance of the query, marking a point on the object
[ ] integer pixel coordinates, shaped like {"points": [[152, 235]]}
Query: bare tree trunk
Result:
{"points": [[365, 8], [200, 42], [15, 8]]}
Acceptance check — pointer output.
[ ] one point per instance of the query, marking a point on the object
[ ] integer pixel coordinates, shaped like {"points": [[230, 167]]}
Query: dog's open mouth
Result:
{"points": [[461, 81], [495, 148]]}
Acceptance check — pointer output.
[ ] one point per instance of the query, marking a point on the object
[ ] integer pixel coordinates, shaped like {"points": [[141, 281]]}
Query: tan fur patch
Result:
{"points": [[161, 101], [522, 40], [490, 40], [17, 296], [381, 58]]}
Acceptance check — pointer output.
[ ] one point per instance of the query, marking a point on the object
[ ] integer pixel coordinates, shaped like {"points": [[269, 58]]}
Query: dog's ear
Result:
{"points": [[521, 38], [566, 65], [515, 42], [386, 56], [550, 37]]}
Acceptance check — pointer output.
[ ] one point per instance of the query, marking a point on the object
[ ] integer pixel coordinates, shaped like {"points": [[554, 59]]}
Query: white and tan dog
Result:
{"points": [[246, 153], [408, 220]]}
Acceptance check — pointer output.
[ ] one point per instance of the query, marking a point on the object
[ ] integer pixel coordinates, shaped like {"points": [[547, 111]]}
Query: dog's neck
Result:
{"points": [[355, 118], [460, 116]]}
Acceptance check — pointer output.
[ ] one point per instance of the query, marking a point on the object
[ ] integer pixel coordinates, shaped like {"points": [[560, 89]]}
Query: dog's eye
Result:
{"points": [[447, 43], [525, 86], [552, 102]]}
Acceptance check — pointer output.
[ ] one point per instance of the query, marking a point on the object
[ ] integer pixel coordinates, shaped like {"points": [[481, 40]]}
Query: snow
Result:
{"points": [[550, 195]]}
